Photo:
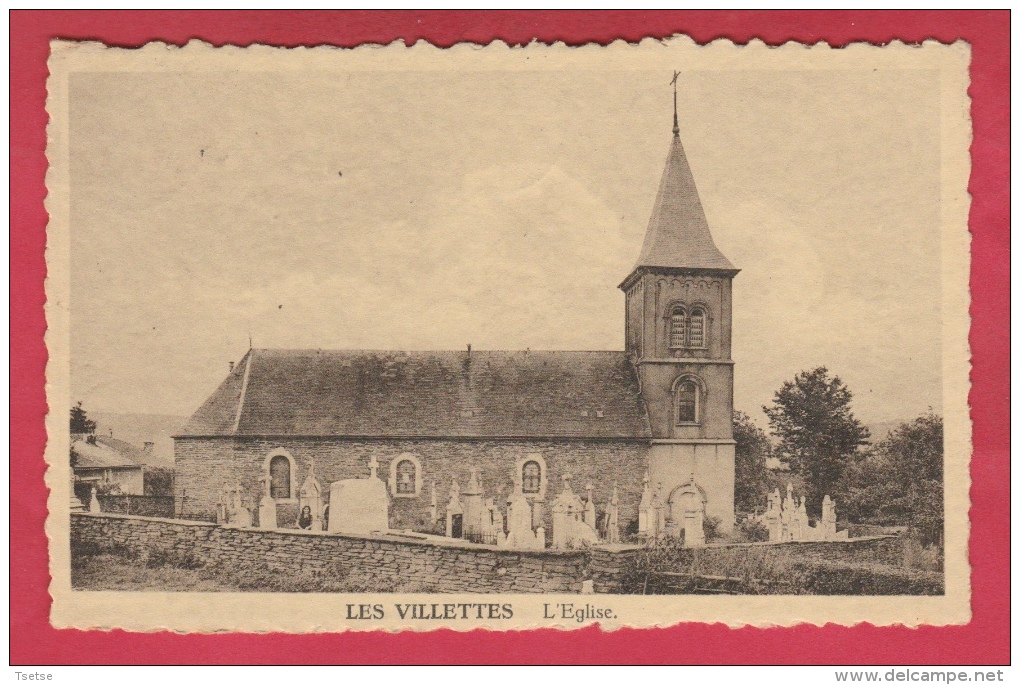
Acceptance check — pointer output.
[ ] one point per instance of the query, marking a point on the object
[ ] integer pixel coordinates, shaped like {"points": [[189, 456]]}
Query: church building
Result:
{"points": [[656, 417]]}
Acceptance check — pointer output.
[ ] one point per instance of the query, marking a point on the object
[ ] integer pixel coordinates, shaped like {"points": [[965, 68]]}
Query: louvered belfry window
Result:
{"points": [[279, 477], [405, 477], [532, 477], [687, 402], [678, 328], [697, 329]]}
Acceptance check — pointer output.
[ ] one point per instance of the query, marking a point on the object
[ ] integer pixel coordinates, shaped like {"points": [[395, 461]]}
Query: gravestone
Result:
{"points": [[94, 507], [613, 518], [773, 516], [267, 507], [310, 495], [454, 513], [519, 516], [569, 528], [474, 507], [590, 515], [647, 516], [223, 505], [828, 524], [359, 505]]}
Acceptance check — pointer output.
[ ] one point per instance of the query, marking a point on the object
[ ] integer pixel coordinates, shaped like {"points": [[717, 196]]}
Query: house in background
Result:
{"points": [[111, 465]]}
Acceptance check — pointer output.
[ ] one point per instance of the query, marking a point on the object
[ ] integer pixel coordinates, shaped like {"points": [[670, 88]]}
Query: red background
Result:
{"points": [[984, 641]]}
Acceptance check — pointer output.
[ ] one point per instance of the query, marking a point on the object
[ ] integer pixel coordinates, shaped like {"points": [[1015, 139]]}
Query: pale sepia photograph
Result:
{"points": [[508, 337]]}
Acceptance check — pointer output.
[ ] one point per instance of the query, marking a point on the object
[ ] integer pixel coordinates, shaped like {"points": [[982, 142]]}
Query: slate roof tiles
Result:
{"points": [[428, 394]]}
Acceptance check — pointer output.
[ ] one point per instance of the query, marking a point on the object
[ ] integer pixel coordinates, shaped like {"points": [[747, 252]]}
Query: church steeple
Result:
{"points": [[678, 236], [679, 315], [676, 124]]}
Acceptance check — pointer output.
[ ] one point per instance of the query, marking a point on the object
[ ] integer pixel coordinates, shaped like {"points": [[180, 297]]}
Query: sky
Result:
{"points": [[429, 210]]}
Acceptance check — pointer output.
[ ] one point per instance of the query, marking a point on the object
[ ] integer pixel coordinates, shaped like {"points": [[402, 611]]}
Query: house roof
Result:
{"points": [[427, 394], [107, 453], [678, 235]]}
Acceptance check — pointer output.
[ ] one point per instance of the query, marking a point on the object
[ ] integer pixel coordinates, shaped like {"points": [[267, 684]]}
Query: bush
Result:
{"points": [[711, 528], [752, 530], [162, 557]]}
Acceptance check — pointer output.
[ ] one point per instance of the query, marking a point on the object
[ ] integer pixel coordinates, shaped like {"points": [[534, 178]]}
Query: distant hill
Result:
{"points": [[141, 428]]}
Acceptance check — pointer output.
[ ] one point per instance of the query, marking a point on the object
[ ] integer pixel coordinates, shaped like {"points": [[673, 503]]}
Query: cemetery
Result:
{"points": [[493, 546]]}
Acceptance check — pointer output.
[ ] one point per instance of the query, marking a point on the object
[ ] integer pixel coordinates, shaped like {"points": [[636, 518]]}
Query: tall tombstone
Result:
{"points": [[267, 507], [660, 507], [647, 516], [828, 523], [454, 513], [773, 516], [310, 495], [796, 532], [805, 523], [359, 505], [566, 509], [694, 527], [474, 507], [569, 528], [590, 514], [94, 507], [613, 518], [519, 520], [242, 517], [223, 505]]}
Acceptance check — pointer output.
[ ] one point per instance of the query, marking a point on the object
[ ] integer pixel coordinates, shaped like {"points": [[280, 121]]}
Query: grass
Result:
{"points": [[95, 567], [114, 572]]}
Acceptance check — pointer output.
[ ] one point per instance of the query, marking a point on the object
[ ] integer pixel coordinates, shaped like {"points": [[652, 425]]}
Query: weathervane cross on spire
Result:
{"points": [[676, 125]]}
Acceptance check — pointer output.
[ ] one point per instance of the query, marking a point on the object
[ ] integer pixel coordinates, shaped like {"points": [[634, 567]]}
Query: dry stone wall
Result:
{"points": [[380, 562]]}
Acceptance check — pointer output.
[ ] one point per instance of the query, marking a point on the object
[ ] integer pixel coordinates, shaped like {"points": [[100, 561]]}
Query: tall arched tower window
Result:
{"points": [[677, 328], [687, 396], [696, 335], [279, 477]]}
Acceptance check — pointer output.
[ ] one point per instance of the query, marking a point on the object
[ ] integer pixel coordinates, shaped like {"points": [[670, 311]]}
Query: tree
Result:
{"points": [[818, 433], [899, 481], [753, 479], [158, 480], [80, 422]]}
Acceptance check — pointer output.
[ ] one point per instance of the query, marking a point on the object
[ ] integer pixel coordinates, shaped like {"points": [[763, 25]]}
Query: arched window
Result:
{"points": [[678, 328], [696, 333], [531, 476], [279, 477], [405, 477], [687, 401]]}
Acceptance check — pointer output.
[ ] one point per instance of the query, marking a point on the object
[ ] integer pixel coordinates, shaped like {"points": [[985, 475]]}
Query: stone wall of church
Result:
{"points": [[205, 465]]}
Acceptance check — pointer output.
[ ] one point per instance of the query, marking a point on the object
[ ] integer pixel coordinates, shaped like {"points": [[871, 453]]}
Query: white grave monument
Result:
{"points": [[647, 517], [569, 528], [359, 505], [520, 533], [454, 513], [310, 495], [94, 507], [267, 507], [613, 518]]}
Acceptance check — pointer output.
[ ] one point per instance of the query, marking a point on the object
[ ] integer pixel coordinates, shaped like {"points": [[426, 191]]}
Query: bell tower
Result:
{"points": [[678, 332]]}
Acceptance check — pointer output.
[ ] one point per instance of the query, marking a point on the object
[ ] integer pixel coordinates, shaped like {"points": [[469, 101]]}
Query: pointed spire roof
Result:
{"points": [[678, 235]]}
